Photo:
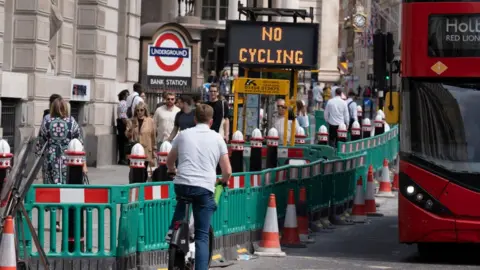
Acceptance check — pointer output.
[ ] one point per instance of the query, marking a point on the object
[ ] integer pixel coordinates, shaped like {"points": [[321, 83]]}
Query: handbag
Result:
{"points": [[85, 179]]}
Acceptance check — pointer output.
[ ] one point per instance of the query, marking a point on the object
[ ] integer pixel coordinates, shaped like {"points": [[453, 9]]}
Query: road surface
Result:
{"points": [[373, 245]]}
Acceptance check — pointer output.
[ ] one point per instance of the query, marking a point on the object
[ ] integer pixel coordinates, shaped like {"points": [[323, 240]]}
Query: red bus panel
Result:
{"points": [[415, 40]]}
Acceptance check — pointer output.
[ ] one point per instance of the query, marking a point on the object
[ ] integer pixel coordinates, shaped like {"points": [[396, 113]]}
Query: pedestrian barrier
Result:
{"points": [[131, 221]]}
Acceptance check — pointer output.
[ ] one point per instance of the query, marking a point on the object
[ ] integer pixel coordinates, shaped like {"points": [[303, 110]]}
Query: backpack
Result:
{"points": [[129, 109]]}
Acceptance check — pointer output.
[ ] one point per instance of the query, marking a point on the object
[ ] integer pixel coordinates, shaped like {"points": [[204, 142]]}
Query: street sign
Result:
{"points": [[262, 86], [272, 44], [169, 61]]}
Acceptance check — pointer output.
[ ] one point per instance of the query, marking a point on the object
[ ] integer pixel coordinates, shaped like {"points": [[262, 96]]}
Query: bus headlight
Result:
{"points": [[419, 196], [410, 190]]}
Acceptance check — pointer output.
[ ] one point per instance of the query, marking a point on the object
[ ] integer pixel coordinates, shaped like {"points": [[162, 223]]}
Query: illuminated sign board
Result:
{"points": [[274, 44], [454, 35], [262, 86]]}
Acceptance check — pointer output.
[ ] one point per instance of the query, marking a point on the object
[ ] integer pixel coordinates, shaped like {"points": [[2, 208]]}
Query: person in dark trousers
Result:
{"points": [[220, 116], [185, 118], [336, 113], [51, 99], [352, 108], [122, 126]]}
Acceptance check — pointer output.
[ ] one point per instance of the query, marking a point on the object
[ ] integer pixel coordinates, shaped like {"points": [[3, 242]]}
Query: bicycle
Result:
{"points": [[180, 255]]}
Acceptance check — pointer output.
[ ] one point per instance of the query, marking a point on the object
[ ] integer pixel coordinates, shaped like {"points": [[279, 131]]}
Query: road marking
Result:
{"points": [[379, 267]]}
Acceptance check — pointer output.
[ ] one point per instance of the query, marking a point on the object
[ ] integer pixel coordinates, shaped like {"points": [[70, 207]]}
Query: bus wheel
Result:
{"points": [[427, 251]]}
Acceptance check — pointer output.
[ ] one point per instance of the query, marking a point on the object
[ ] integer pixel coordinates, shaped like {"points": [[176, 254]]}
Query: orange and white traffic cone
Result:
{"points": [[290, 236], [395, 184], [370, 205], [302, 217], [385, 189], [8, 260], [270, 244], [358, 210]]}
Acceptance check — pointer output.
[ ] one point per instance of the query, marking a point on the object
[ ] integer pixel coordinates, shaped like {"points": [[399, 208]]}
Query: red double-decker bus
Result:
{"points": [[439, 198]]}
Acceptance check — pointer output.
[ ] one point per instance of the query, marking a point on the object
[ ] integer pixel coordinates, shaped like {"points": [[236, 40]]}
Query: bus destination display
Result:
{"points": [[285, 45], [454, 35]]}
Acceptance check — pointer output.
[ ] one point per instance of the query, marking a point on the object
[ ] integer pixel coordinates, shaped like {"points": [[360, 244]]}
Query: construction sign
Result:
{"points": [[254, 86]]}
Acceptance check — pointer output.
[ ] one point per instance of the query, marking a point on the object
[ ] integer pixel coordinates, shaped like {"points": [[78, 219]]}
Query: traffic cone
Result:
{"points": [[385, 189], [370, 205], [270, 244], [290, 236], [8, 260], [358, 210], [395, 183], [302, 217]]}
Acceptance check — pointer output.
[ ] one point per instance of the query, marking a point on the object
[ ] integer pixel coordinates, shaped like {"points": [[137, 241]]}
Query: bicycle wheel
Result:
{"points": [[176, 258]]}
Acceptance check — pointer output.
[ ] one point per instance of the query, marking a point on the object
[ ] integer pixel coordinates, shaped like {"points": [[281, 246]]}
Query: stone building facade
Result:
{"points": [[94, 45], [206, 25]]}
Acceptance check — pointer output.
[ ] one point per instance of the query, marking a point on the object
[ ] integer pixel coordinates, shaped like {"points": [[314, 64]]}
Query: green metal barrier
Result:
{"points": [[143, 212]]}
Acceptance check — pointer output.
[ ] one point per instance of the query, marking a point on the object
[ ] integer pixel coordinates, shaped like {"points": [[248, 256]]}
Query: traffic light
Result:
{"points": [[387, 77], [389, 50], [379, 59]]}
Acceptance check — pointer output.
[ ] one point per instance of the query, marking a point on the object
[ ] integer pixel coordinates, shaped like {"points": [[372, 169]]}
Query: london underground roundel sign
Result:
{"points": [[169, 60]]}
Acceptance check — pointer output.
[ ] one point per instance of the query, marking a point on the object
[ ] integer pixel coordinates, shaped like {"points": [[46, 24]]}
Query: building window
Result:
{"points": [[209, 10], [223, 10], [215, 10]]}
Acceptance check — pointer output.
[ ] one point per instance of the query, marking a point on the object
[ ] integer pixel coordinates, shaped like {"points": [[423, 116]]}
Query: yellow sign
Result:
{"points": [[262, 86], [439, 67]]}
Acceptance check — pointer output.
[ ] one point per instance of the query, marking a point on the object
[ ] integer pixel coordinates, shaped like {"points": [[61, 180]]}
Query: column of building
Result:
{"points": [[328, 47], [95, 60]]}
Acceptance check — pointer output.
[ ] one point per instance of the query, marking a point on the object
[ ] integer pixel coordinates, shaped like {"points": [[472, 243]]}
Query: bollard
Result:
{"points": [[5, 162], [137, 174], [300, 136], [359, 114], [272, 148], [237, 151], [322, 135], [75, 160], [379, 126], [356, 133], [366, 128], [256, 143], [160, 173], [342, 133]]}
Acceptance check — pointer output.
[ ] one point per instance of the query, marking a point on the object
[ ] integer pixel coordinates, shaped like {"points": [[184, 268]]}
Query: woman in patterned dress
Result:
{"points": [[56, 132]]}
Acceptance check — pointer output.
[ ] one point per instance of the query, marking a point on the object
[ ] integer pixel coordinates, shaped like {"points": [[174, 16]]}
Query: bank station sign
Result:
{"points": [[169, 61], [275, 44], [454, 35]]}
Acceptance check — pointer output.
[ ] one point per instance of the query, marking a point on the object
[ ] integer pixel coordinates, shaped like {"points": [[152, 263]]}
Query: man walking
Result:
{"points": [[134, 99], [185, 118], [221, 122], [165, 118], [336, 113], [352, 108]]}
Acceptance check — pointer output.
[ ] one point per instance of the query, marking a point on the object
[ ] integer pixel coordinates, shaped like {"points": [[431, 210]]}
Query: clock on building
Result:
{"points": [[359, 20]]}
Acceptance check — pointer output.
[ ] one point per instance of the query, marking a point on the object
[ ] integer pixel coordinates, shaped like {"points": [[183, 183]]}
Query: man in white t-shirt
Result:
{"points": [[134, 98], [164, 118], [199, 150], [279, 122]]}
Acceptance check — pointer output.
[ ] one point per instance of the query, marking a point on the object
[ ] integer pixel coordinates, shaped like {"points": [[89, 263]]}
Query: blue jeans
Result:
{"points": [[203, 207]]}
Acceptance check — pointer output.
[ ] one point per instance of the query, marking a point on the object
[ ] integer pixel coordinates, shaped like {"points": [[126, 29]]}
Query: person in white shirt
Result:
{"points": [[198, 150], [134, 99], [318, 95], [352, 108], [336, 113], [164, 118], [279, 122]]}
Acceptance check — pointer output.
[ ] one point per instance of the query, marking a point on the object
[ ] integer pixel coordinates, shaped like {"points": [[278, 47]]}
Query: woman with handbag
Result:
{"points": [[56, 132], [141, 129]]}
